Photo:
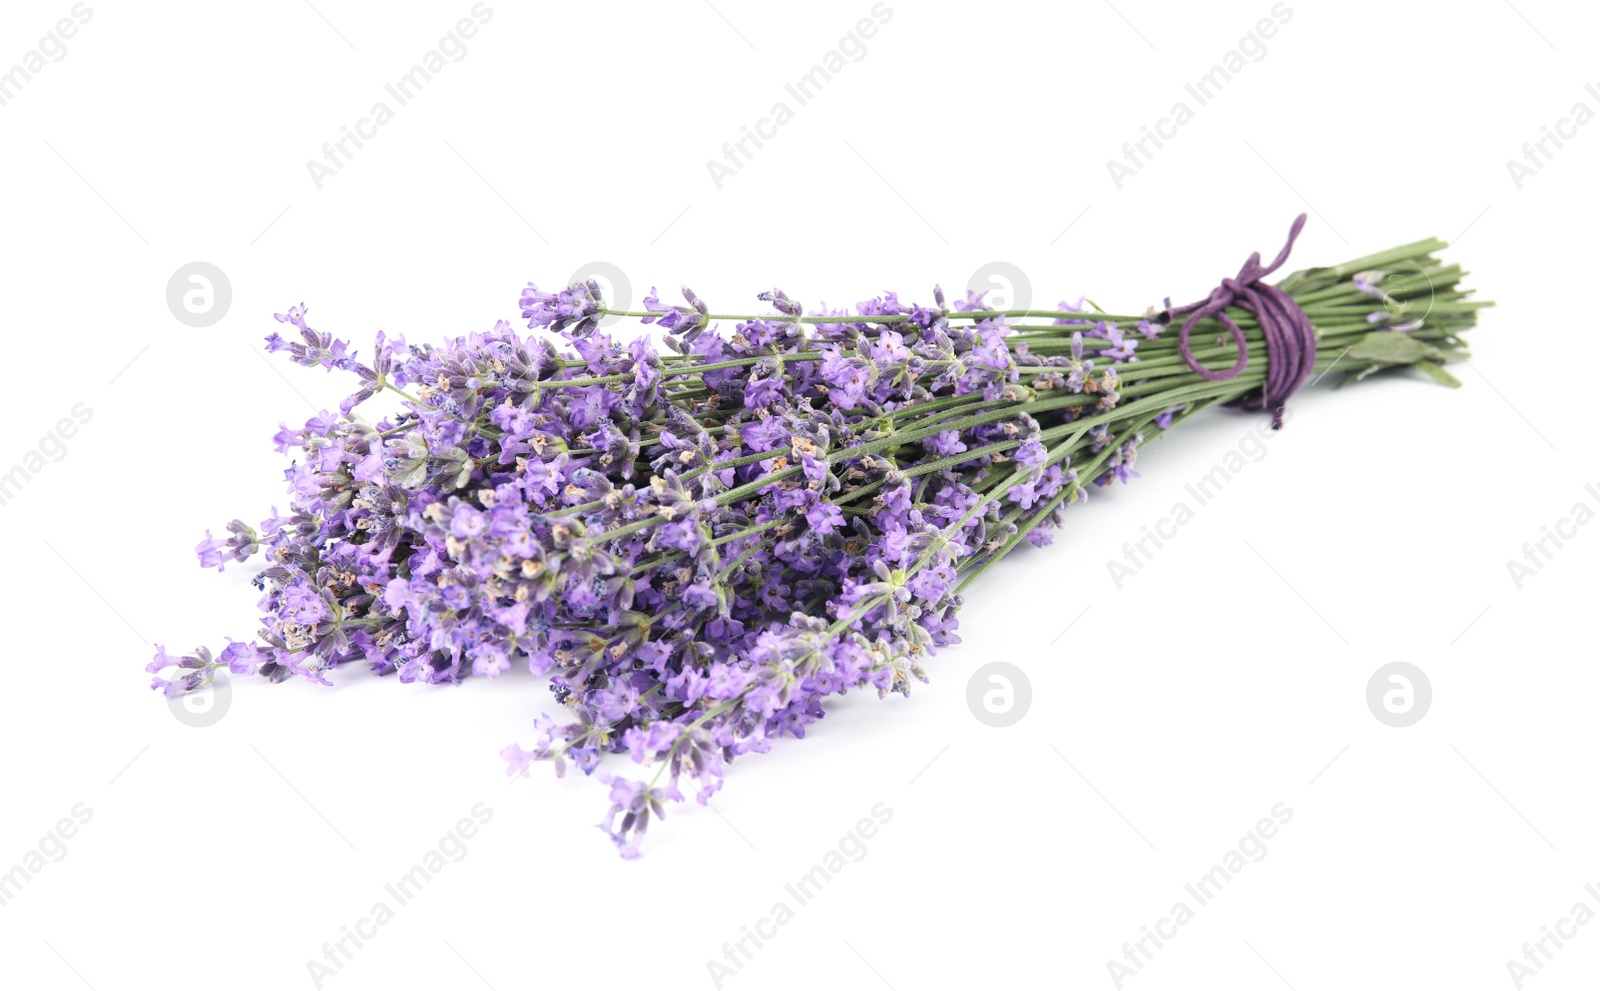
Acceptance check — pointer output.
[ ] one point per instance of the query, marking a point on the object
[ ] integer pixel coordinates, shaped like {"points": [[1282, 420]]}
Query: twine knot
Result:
{"points": [[1291, 341]]}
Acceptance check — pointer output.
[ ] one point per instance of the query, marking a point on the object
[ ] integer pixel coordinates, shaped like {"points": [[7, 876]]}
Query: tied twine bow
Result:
{"points": [[1290, 339]]}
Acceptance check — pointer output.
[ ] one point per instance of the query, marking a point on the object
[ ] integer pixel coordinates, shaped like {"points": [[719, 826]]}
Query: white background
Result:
{"points": [[1228, 676]]}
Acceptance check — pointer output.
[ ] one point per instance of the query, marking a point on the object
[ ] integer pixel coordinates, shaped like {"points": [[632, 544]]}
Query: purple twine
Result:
{"points": [[1286, 330]]}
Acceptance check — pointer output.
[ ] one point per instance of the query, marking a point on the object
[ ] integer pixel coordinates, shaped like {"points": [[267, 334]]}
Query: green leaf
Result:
{"points": [[1438, 374], [1387, 347]]}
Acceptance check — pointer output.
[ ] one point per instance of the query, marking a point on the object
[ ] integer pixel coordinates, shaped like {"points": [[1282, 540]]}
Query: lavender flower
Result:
{"points": [[699, 538]]}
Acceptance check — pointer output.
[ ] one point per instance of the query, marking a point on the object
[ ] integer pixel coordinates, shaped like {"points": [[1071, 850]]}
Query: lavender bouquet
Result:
{"points": [[702, 534]]}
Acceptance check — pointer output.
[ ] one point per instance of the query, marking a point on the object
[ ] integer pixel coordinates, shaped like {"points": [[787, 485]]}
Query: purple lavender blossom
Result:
{"points": [[699, 537]]}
